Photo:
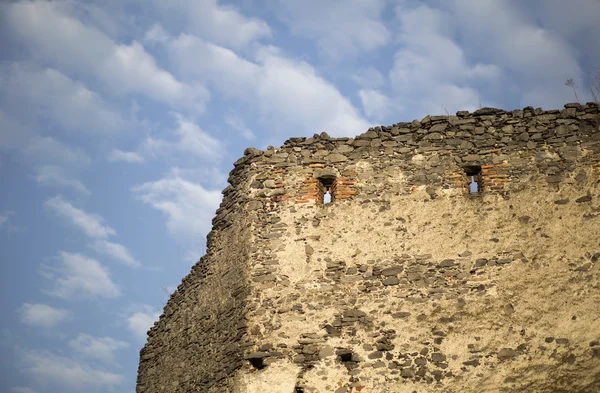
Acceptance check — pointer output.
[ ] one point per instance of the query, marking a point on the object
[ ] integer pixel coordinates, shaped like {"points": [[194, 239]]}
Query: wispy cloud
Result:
{"points": [[60, 372], [140, 322], [14, 133], [55, 176], [49, 95], [22, 390], [156, 34], [129, 156], [49, 150], [238, 125], [375, 104], [97, 348], [50, 32], [223, 24], [341, 29], [205, 61], [530, 43], [431, 70], [42, 315], [180, 199], [7, 224], [91, 225], [78, 276], [55, 163], [368, 77], [116, 251], [315, 105], [190, 139]]}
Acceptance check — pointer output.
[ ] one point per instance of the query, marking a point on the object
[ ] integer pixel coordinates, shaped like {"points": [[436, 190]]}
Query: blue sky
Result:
{"points": [[120, 120]]}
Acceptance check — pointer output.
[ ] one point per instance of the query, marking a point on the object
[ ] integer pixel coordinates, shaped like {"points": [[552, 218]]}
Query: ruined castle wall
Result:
{"points": [[407, 281], [195, 345]]}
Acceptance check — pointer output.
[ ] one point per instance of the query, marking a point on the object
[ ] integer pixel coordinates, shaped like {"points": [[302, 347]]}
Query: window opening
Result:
{"points": [[473, 185], [257, 363], [326, 188], [474, 178]]}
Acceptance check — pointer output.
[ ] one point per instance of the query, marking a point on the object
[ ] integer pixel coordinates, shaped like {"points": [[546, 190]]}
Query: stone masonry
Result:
{"points": [[411, 279]]}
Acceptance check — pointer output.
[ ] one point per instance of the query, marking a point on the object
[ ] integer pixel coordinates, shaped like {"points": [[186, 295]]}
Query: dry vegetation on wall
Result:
{"points": [[407, 281], [594, 86]]}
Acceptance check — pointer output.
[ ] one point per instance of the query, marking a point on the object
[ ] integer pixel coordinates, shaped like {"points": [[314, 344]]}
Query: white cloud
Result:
{"points": [[98, 348], [22, 390], [134, 70], [223, 24], [180, 199], [340, 28], [291, 95], [368, 77], [207, 175], [118, 155], [79, 276], [116, 251], [140, 322], [91, 224], [55, 176], [523, 47], [53, 35], [50, 150], [47, 94], [375, 104], [14, 133], [238, 125], [190, 139], [532, 50], [42, 315], [56, 163], [207, 62], [156, 34], [5, 222], [579, 25], [431, 71], [53, 371]]}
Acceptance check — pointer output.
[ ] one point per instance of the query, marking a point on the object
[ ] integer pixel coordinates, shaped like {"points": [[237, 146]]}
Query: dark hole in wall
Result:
{"points": [[345, 356], [299, 389], [473, 173], [326, 186], [257, 363]]}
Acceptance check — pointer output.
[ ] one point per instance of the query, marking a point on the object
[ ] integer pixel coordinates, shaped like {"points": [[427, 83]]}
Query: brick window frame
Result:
{"points": [[326, 183], [473, 172]]}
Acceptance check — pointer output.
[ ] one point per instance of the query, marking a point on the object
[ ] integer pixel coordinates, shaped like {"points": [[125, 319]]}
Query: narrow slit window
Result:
{"points": [[474, 179], [326, 185]]}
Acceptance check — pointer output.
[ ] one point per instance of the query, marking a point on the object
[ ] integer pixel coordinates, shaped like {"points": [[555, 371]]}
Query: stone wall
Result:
{"points": [[196, 344], [406, 281]]}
